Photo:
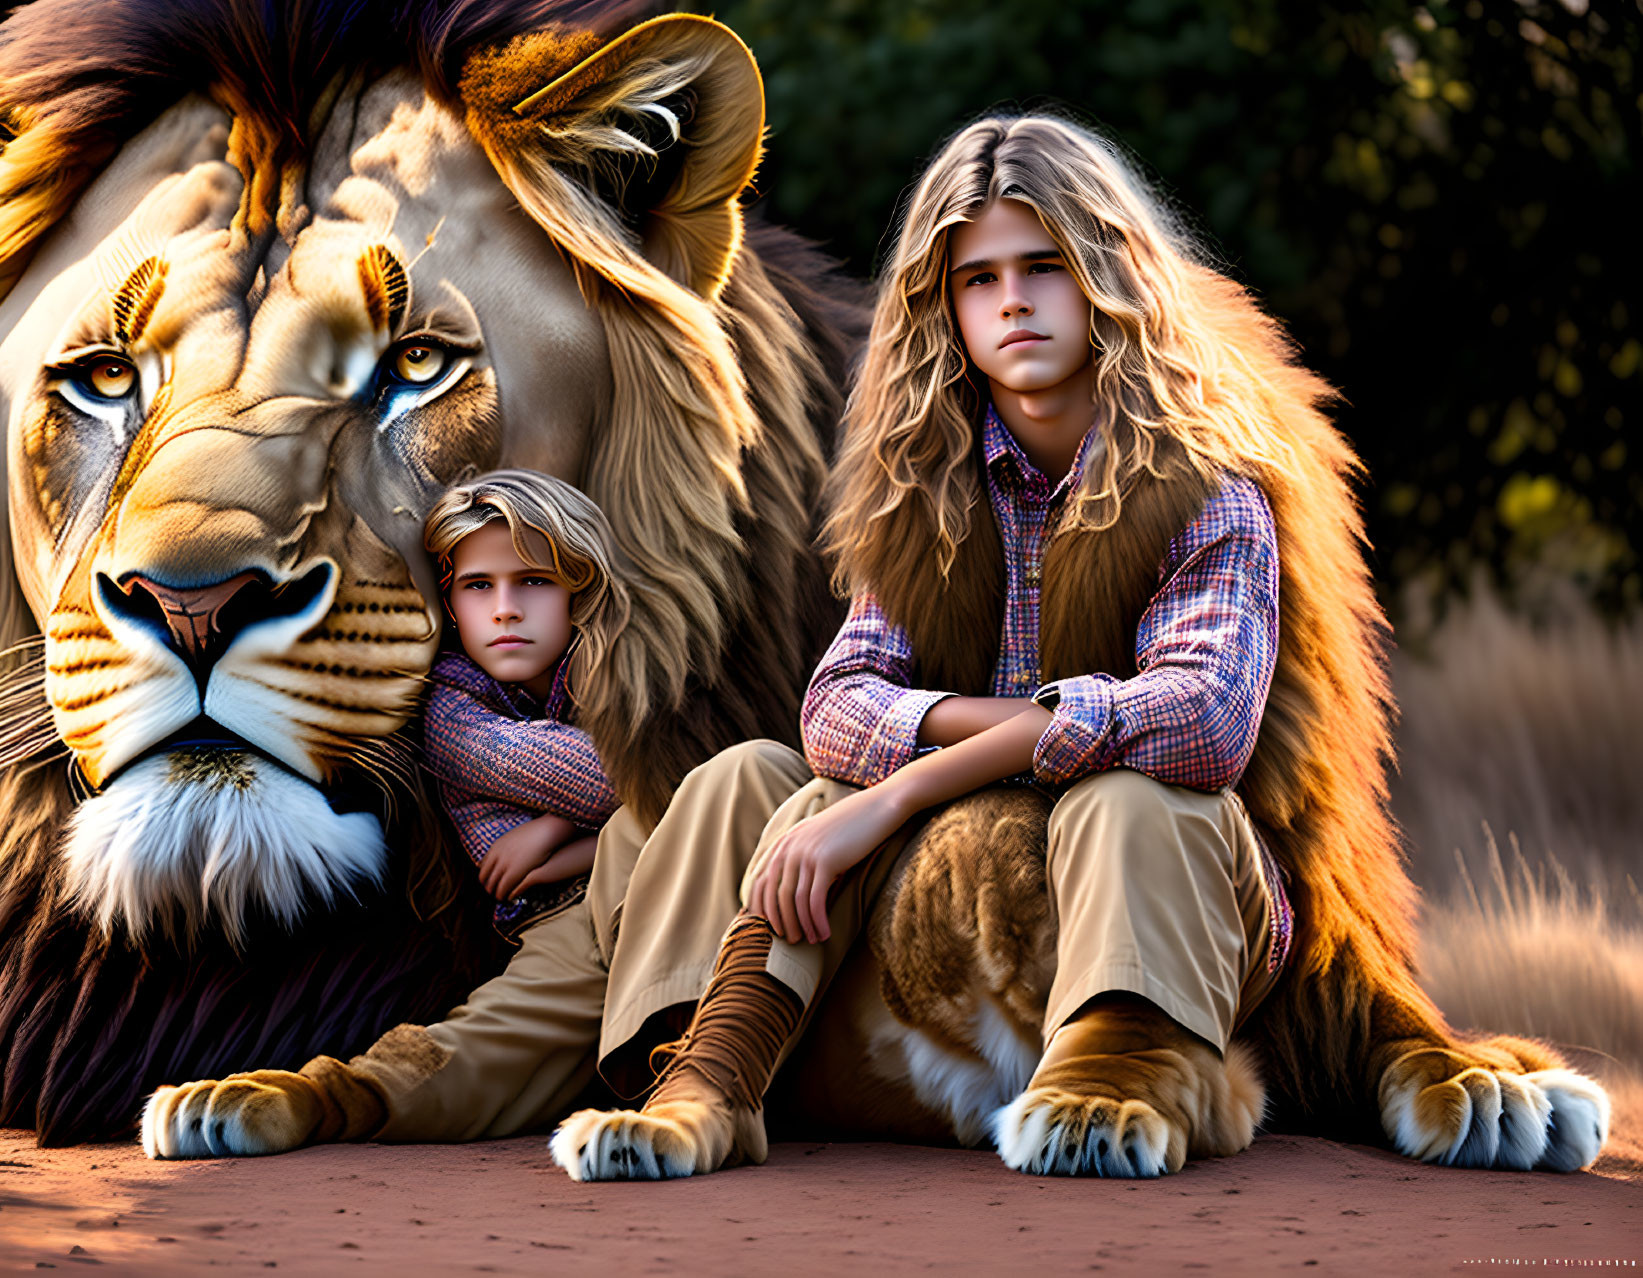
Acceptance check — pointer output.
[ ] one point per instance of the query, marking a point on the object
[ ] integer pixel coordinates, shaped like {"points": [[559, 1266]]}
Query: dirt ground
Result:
{"points": [[1289, 1203]]}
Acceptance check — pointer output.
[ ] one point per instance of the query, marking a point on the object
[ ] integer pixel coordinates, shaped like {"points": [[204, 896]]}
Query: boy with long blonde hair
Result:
{"points": [[1060, 572]]}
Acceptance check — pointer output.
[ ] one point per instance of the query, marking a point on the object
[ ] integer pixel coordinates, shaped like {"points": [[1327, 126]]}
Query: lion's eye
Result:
{"points": [[108, 376], [419, 362], [412, 372]]}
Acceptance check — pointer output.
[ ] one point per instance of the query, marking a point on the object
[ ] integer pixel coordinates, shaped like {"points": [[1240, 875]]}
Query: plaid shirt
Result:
{"points": [[1205, 652], [502, 758]]}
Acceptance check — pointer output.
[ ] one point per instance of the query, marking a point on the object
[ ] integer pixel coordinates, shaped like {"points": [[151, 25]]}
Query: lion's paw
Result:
{"points": [[677, 1139], [266, 1112], [1440, 1109], [1047, 1131]]}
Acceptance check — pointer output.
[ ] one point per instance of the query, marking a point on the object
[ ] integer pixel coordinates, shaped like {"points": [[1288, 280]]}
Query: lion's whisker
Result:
{"points": [[387, 764], [26, 727]]}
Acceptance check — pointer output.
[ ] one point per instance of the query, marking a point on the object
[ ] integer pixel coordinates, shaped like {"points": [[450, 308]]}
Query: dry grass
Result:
{"points": [[1538, 954], [1532, 737], [1536, 731]]}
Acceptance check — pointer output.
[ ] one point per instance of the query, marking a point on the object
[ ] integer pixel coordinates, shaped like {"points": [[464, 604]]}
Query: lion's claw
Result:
{"points": [[1050, 1132], [1483, 1116], [267, 1112], [622, 1145]]}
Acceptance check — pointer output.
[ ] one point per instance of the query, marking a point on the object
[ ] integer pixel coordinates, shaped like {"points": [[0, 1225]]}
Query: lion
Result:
{"points": [[267, 292]]}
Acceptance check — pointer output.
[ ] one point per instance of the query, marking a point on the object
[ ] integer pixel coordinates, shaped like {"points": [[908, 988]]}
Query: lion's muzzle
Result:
{"points": [[214, 835], [201, 622]]}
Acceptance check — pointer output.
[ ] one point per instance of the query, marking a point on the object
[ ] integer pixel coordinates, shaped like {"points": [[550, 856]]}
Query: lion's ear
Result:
{"points": [[665, 123]]}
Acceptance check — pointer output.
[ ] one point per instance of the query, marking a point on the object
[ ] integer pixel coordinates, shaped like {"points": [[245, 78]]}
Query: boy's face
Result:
{"points": [[513, 619], [1024, 320]]}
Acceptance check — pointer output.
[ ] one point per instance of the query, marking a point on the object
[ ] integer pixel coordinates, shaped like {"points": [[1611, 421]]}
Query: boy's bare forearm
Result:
{"points": [[543, 834], [529, 844], [959, 718], [1002, 750], [575, 857], [542, 850]]}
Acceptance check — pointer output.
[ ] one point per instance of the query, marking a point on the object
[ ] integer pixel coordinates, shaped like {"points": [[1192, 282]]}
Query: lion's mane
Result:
{"points": [[1316, 784]]}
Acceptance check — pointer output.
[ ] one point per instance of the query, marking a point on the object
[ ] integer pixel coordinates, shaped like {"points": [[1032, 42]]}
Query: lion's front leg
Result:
{"points": [[1164, 929], [1124, 1091], [268, 1111], [1354, 1044]]}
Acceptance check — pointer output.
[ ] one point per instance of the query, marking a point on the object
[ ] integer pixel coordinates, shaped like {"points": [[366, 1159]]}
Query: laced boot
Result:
{"points": [[706, 1110]]}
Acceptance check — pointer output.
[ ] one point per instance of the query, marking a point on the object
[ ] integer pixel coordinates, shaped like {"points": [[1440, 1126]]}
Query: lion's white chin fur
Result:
{"points": [[208, 837]]}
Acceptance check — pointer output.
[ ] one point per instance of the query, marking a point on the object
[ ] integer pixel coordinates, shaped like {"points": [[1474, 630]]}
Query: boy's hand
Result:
{"points": [[790, 889], [522, 849], [576, 857]]}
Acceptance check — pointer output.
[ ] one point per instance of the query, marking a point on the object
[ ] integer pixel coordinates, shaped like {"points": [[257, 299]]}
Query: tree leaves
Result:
{"points": [[1440, 200]]}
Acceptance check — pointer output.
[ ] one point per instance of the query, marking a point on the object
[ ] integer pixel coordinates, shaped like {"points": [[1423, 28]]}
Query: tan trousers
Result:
{"points": [[1157, 890], [520, 1050]]}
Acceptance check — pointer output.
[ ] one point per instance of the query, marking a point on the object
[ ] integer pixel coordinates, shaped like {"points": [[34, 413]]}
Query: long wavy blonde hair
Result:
{"points": [[1165, 367]]}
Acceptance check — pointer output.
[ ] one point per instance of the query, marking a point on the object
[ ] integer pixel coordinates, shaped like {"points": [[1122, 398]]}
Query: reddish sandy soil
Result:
{"points": [[1289, 1203]]}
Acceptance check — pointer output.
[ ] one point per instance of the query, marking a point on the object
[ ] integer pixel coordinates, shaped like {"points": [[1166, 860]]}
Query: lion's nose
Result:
{"points": [[194, 615], [200, 622]]}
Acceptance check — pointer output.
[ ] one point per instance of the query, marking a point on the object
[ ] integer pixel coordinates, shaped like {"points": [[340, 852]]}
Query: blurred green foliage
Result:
{"points": [[1440, 201]]}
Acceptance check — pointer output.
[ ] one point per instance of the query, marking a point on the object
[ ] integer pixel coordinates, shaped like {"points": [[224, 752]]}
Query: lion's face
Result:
{"points": [[224, 432], [222, 444]]}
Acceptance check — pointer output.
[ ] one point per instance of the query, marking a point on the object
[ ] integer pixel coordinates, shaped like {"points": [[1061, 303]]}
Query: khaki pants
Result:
{"points": [[519, 1051], [1158, 891]]}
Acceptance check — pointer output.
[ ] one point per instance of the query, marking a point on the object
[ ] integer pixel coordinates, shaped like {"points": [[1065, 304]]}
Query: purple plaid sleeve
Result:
{"points": [[1205, 652], [480, 821], [860, 720], [541, 765]]}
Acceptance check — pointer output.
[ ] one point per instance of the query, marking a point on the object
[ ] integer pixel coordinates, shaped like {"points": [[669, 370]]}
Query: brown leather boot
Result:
{"points": [[707, 1108]]}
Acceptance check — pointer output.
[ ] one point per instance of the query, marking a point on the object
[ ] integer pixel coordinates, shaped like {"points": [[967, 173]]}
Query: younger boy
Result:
{"points": [[527, 583]]}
